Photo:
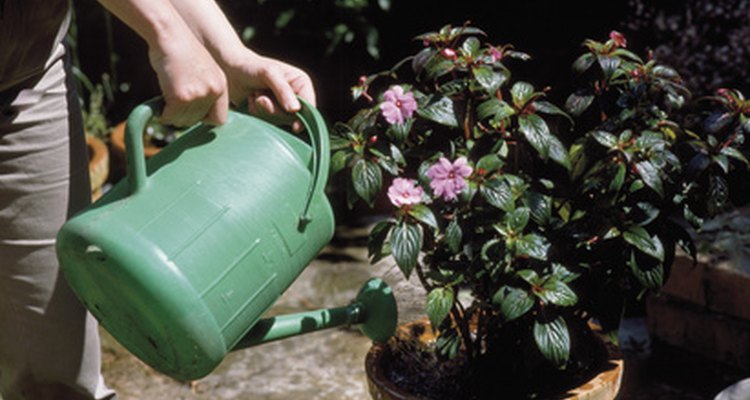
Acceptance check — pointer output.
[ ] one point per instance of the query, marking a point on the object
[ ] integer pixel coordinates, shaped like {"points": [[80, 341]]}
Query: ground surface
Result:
{"points": [[329, 365]]}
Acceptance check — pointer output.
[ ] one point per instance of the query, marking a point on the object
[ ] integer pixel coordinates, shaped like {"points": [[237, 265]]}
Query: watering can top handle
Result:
{"points": [[308, 115]]}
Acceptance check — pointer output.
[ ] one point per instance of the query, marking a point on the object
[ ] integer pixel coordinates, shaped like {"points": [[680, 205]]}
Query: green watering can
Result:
{"points": [[180, 259]]}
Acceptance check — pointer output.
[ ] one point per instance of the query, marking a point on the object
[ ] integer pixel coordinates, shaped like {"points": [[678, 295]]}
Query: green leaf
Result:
{"points": [[376, 238], [609, 65], [448, 342], [439, 303], [616, 184], [406, 242], [528, 275], [440, 109], [606, 139], [517, 219], [577, 103], [650, 176], [489, 79], [540, 207], [495, 108], [437, 66], [553, 340], [650, 278], [489, 163], [546, 107], [423, 214], [583, 63], [367, 179], [557, 292], [521, 93], [513, 302], [470, 47], [734, 153], [538, 135], [338, 161], [640, 238], [534, 246], [453, 236], [499, 194]]}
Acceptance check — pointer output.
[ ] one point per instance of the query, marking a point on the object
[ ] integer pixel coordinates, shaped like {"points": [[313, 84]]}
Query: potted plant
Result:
{"points": [[523, 220], [96, 127]]}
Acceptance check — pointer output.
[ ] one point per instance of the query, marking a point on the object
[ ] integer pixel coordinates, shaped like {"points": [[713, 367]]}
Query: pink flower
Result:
{"points": [[618, 38], [397, 105], [495, 54], [404, 192], [447, 179]]}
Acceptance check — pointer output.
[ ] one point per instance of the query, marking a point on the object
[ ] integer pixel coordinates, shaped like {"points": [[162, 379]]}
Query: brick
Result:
{"points": [[699, 330]]}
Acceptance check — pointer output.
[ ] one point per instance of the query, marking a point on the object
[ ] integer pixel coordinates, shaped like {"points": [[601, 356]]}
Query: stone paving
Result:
{"points": [[329, 365], [325, 365]]}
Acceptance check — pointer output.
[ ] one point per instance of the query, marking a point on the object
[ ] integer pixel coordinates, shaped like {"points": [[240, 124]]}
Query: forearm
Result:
{"points": [[210, 25], [156, 21]]}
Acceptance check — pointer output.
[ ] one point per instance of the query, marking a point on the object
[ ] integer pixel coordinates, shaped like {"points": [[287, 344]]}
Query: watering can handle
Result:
{"points": [[308, 115]]}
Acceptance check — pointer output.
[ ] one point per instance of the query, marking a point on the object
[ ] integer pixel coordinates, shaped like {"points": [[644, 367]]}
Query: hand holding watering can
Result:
{"points": [[182, 257]]}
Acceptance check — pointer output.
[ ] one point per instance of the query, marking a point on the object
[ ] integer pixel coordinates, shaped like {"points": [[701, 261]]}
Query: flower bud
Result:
{"points": [[448, 53]]}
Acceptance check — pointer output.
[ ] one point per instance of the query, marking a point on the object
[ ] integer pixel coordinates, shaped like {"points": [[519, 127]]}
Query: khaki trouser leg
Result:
{"points": [[49, 344]]}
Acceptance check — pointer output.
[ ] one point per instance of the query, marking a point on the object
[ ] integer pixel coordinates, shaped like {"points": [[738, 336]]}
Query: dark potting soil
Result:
{"points": [[414, 366]]}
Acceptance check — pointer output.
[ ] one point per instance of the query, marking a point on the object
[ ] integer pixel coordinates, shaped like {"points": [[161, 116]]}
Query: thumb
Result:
{"points": [[217, 114]]}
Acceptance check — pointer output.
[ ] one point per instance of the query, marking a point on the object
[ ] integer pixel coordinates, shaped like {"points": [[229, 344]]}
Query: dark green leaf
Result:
{"points": [[534, 246], [367, 179], [489, 79], [650, 176], [397, 155], [498, 193], [640, 238], [651, 277], [557, 292], [528, 275], [437, 66], [609, 65], [553, 340], [616, 184], [540, 207], [548, 108], [489, 163], [513, 302], [375, 240], [521, 93], [470, 47], [606, 139], [440, 109], [406, 242], [423, 214], [439, 303], [448, 342], [338, 161], [517, 219], [577, 103], [537, 133], [583, 63], [734, 153], [453, 236]]}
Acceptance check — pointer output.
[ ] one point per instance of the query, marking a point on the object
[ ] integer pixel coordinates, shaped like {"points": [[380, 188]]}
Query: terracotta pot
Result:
{"points": [[603, 386], [98, 165], [117, 144]]}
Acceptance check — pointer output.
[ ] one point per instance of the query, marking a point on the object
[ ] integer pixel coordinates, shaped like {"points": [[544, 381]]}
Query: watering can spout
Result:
{"points": [[374, 311]]}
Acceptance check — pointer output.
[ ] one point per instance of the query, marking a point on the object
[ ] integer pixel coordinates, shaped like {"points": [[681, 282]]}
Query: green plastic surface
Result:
{"points": [[180, 259]]}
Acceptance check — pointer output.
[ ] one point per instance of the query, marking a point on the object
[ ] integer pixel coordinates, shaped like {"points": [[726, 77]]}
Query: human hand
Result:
{"points": [[270, 86], [193, 85]]}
